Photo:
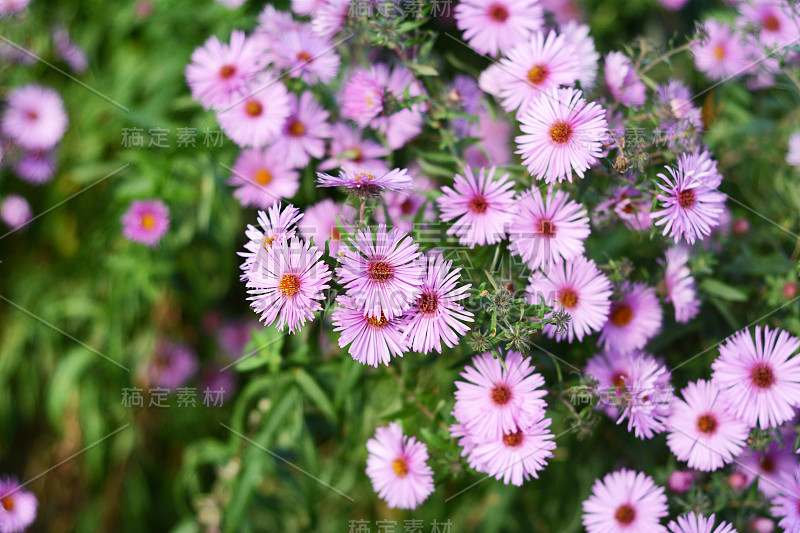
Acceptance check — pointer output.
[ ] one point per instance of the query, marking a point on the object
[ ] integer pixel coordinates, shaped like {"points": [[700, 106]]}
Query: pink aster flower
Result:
{"points": [[263, 177], [481, 206], [494, 400], [702, 429], [495, 140], [646, 397], [372, 340], [36, 166], [329, 17], [398, 468], [681, 121], [306, 7], [437, 315], [306, 55], [630, 205], [15, 211], [625, 501], [171, 366], [681, 481], [367, 182], [547, 230], [34, 117], [274, 226], [403, 207], [362, 98], [678, 284], [383, 275], [220, 74], [320, 223], [786, 506], [69, 52], [146, 221], [17, 506], [793, 152], [577, 35], [515, 456], [257, 118], [622, 81], [719, 52], [535, 67], [702, 165], [577, 287], [12, 7], [287, 284], [273, 24], [760, 379], [768, 464], [495, 27], [350, 150], [613, 369], [634, 319], [690, 207], [773, 21], [304, 132], [673, 5], [697, 523], [562, 133]]}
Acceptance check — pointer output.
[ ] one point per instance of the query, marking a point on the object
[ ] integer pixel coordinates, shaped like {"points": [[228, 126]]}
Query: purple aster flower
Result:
{"points": [[548, 230], [146, 221], [515, 456], [646, 397], [275, 226], [497, 397], [256, 119], [630, 205], [403, 207], [286, 284], [612, 369], [304, 132], [625, 501], [34, 117], [306, 55], [577, 287], [398, 468], [673, 5], [273, 24], [306, 7], [481, 206], [719, 52], [367, 182], [562, 133], [383, 275], [681, 481], [362, 98], [578, 36], [634, 319], [493, 148], [15, 211], [793, 152], [171, 366], [232, 338], [221, 384], [760, 379], [702, 429], [220, 74], [263, 177], [66, 49], [17, 505], [320, 223], [464, 91], [680, 120], [36, 166], [350, 150], [12, 7], [697, 523], [772, 20], [534, 68], [700, 162], [786, 506], [622, 81], [329, 17], [373, 340], [678, 284], [401, 126], [437, 315], [768, 464], [495, 27]]}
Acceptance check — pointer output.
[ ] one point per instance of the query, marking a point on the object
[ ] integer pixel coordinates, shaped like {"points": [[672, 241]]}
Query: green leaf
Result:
{"points": [[317, 395], [423, 70], [722, 290]]}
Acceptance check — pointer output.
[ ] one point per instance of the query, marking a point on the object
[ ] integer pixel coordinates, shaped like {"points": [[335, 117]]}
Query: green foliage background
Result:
{"points": [[301, 397]]}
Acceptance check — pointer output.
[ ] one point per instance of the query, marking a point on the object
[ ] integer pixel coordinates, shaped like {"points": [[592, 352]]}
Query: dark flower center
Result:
{"points": [[625, 514], [253, 108], [621, 315], [537, 74], [378, 322], [304, 56], [296, 128], [428, 303], [560, 132], [686, 198], [32, 115], [380, 271], [568, 298], [498, 12], [335, 235], [400, 467], [767, 464], [513, 439], [226, 72], [501, 395], [407, 207], [289, 285], [546, 227], [8, 503], [619, 379], [707, 424], [478, 205], [762, 376], [771, 23]]}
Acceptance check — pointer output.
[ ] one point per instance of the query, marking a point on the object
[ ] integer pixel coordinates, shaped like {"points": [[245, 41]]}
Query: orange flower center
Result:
{"points": [[568, 298], [501, 395], [400, 467], [719, 52], [8, 503], [560, 132], [707, 424], [380, 271], [263, 176], [289, 285], [226, 72], [297, 128], [513, 440], [762, 376], [537, 74], [253, 108], [304, 56], [378, 322], [428, 303], [771, 23], [621, 315], [625, 514], [148, 221]]}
